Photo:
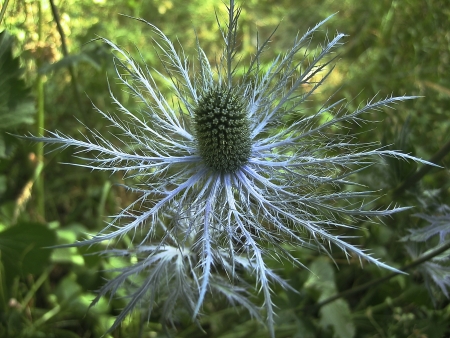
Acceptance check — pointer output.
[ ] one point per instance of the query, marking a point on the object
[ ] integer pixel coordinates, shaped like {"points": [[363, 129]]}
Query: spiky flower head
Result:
{"points": [[225, 181], [222, 130]]}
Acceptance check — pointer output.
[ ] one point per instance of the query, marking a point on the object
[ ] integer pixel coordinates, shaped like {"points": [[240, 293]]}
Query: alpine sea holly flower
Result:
{"points": [[225, 181]]}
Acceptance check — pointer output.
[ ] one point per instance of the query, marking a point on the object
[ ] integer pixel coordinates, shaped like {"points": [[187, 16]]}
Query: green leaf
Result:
{"points": [[23, 249], [16, 103], [336, 314]]}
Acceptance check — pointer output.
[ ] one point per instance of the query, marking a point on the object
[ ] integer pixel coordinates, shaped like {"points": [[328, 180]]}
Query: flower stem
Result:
{"points": [[65, 51], [373, 283], [40, 126]]}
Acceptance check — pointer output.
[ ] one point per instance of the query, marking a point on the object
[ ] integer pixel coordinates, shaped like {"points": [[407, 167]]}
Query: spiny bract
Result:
{"points": [[226, 181]]}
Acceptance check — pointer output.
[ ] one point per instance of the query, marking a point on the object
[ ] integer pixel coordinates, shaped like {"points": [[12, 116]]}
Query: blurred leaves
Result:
{"points": [[16, 103], [16, 108], [337, 314], [68, 61], [24, 250], [393, 47], [399, 171]]}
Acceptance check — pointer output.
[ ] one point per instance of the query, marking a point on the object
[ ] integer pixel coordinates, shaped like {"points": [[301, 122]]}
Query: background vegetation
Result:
{"points": [[52, 70]]}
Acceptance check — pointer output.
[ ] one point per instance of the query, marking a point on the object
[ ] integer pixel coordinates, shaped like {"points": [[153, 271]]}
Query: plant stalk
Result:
{"points": [[365, 286], [39, 184]]}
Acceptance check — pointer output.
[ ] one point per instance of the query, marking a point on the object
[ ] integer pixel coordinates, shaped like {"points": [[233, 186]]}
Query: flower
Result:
{"points": [[225, 181]]}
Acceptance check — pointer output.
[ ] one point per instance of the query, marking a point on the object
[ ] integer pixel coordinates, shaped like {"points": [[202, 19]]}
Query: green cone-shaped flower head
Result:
{"points": [[222, 130]]}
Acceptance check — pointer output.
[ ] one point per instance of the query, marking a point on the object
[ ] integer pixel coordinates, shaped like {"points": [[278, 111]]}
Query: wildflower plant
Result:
{"points": [[223, 181]]}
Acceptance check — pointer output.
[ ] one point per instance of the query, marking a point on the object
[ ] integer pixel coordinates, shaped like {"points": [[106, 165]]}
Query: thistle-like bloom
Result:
{"points": [[225, 181]]}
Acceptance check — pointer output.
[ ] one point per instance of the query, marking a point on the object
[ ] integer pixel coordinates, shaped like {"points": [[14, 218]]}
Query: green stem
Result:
{"points": [[2, 13], [371, 284], [65, 51], [40, 321], [385, 304], [35, 287], [39, 184]]}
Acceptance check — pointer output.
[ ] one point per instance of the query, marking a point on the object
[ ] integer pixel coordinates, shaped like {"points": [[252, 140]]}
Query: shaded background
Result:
{"points": [[393, 48]]}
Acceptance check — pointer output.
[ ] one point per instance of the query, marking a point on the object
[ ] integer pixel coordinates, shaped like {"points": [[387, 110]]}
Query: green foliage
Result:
{"points": [[336, 315], [16, 103], [16, 109], [23, 251]]}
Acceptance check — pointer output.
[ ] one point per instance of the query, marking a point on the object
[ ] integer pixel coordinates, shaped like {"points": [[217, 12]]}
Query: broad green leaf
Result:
{"points": [[336, 314], [24, 249]]}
